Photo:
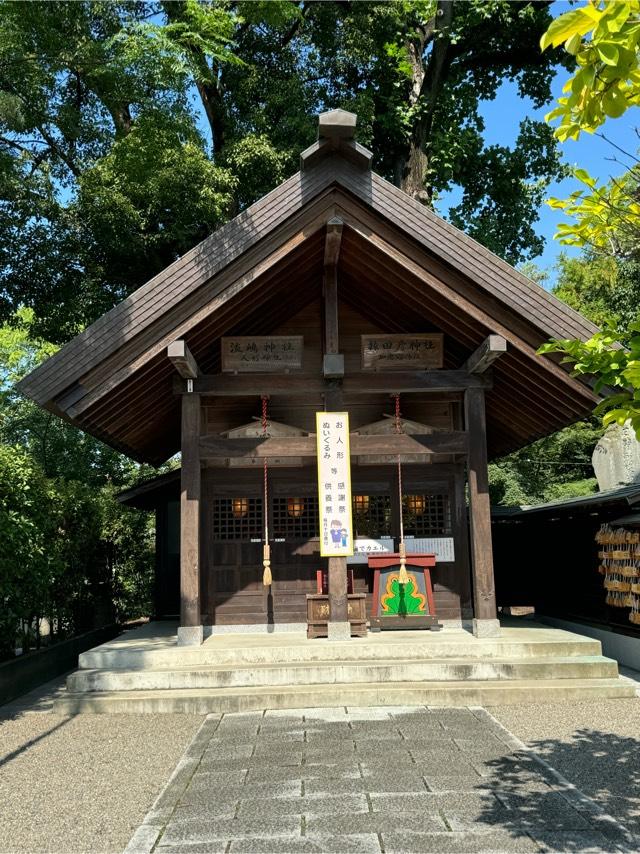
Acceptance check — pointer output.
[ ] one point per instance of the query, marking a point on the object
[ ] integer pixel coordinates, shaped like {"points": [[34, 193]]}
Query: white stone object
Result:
{"points": [[616, 457]]}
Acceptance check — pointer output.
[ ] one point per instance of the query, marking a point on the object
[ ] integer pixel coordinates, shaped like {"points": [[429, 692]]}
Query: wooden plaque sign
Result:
{"points": [[334, 484], [266, 353], [384, 352]]}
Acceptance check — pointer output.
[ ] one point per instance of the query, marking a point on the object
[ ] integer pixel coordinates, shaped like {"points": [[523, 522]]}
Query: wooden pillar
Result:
{"points": [[485, 623], [338, 603], [333, 371], [190, 631], [462, 534]]}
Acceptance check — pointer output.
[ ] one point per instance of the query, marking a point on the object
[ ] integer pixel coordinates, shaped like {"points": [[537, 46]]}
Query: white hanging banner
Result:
{"points": [[441, 547], [365, 546], [334, 484]]}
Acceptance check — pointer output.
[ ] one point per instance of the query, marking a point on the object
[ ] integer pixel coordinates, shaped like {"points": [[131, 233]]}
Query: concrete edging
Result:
{"points": [[625, 649], [146, 836]]}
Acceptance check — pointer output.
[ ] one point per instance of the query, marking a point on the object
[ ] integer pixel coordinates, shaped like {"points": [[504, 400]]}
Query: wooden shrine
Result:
{"points": [[335, 293]]}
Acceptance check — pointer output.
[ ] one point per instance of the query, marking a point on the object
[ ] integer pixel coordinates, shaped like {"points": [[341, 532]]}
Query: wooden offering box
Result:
{"points": [[318, 614], [403, 606], [318, 608]]}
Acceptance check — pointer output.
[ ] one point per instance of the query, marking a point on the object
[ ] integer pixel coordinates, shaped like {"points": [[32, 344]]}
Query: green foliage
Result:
{"points": [[558, 466], [614, 361], [25, 531], [128, 131], [606, 218], [422, 76], [70, 552], [603, 37], [588, 284]]}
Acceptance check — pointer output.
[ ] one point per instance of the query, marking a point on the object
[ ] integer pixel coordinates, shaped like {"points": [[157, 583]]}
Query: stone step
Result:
{"points": [[331, 672], [225, 700], [224, 650]]}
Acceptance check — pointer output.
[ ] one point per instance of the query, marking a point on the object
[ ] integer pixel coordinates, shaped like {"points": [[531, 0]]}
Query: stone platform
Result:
{"points": [[369, 781], [144, 670]]}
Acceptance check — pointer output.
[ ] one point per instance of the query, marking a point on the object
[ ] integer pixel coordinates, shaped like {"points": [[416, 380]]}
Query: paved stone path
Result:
{"points": [[369, 780]]}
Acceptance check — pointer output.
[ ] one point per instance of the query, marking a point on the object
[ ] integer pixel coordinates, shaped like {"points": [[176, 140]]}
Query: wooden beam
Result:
{"points": [[484, 594], [491, 349], [330, 289], [333, 241], [299, 385], [333, 361], [182, 358], [190, 513], [212, 447]]}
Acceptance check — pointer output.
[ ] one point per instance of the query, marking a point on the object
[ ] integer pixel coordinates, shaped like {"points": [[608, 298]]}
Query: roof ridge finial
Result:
{"points": [[336, 132], [337, 125]]}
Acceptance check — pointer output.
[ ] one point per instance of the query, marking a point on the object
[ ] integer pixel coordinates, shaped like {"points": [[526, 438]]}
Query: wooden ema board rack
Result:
{"points": [[403, 606]]}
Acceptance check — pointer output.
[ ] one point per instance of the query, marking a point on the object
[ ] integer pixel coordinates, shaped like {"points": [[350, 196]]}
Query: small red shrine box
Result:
{"points": [[403, 606]]}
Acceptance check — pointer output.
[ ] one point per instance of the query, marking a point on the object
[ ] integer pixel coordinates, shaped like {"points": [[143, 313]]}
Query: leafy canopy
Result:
{"points": [[131, 130], [606, 218], [614, 361], [603, 37]]}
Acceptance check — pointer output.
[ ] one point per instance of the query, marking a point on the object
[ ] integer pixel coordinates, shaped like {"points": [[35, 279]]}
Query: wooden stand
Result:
{"points": [[318, 614], [423, 618]]}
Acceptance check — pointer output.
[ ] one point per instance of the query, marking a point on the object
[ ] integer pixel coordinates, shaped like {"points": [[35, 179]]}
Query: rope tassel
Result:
{"points": [[403, 577], [266, 550], [266, 562]]}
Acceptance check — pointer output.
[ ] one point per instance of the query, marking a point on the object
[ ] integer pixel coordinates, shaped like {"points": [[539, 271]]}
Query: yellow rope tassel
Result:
{"points": [[266, 562], [403, 577]]}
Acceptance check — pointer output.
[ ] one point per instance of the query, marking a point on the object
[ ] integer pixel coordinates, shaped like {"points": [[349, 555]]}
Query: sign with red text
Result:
{"points": [[334, 484]]}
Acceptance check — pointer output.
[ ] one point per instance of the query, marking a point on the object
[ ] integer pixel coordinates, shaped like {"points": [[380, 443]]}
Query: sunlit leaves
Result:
{"points": [[613, 364], [605, 217], [604, 38]]}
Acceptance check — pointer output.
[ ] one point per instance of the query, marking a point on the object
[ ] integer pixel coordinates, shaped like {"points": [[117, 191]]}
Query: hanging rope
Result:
{"points": [[403, 577], [266, 551]]}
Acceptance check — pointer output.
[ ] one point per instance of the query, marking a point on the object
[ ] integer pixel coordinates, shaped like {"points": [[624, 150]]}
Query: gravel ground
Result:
{"points": [[82, 784], [595, 745]]}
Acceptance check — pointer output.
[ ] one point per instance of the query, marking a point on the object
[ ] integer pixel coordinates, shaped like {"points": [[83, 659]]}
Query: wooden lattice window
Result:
{"points": [[426, 515], [237, 518], [295, 517], [372, 515]]}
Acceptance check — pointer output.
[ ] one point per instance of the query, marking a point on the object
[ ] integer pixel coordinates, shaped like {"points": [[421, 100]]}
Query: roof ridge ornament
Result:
{"points": [[336, 131]]}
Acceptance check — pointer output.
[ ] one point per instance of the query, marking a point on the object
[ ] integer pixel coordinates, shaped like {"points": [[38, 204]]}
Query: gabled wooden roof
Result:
{"points": [[401, 266]]}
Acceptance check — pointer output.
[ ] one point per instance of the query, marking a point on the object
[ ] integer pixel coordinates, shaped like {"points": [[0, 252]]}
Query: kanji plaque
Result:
{"points": [[262, 353], [385, 352]]}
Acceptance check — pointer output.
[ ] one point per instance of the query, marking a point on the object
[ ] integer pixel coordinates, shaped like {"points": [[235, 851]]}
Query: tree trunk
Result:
{"points": [[415, 167], [426, 83]]}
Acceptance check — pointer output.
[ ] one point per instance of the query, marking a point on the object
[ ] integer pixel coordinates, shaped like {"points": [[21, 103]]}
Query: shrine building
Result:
{"points": [[334, 294]]}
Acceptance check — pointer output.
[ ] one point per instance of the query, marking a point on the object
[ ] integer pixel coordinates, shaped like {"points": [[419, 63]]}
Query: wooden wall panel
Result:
{"points": [[233, 570]]}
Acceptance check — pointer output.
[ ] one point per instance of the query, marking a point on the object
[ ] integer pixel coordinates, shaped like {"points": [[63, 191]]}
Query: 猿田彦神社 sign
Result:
{"points": [[383, 352], [262, 353], [334, 484]]}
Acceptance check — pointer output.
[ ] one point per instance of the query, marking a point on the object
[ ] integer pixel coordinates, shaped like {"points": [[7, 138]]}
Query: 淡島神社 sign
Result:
{"points": [[334, 484], [268, 353]]}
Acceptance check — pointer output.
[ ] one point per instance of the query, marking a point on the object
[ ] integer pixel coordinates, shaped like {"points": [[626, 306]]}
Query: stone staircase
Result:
{"points": [[247, 672]]}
